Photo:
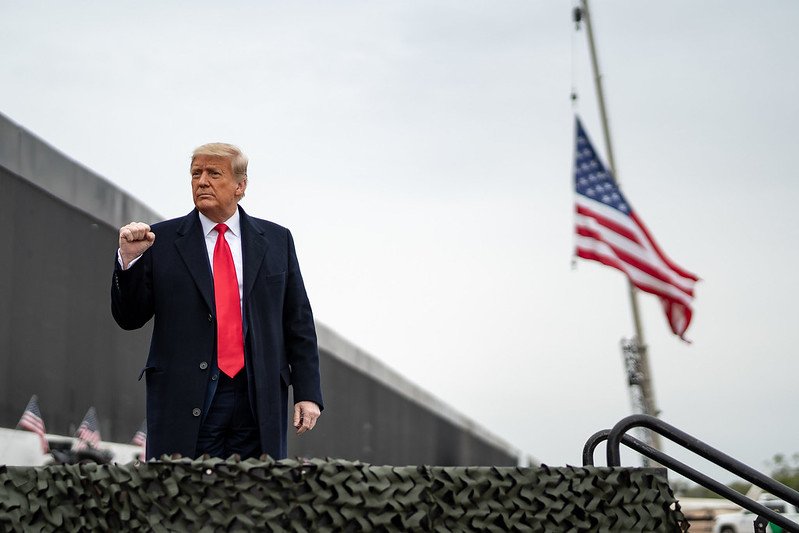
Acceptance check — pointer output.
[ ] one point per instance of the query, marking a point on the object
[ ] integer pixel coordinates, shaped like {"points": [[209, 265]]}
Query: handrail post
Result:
{"points": [[617, 435], [591, 444]]}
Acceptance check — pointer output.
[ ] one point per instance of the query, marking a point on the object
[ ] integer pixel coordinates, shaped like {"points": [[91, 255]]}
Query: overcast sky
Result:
{"points": [[421, 153]]}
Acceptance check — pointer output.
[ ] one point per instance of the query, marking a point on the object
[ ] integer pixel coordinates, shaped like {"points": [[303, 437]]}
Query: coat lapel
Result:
{"points": [[253, 249], [190, 244]]}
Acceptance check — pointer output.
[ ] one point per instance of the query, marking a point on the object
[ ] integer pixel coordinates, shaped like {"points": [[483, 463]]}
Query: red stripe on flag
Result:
{"points": [[625, 257], [35, 424], [616, 263], [649, 269], [672, 265], [610, 224]]}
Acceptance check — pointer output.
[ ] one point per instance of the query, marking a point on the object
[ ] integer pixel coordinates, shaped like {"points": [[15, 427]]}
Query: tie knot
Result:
{"points": [[221, 228]]}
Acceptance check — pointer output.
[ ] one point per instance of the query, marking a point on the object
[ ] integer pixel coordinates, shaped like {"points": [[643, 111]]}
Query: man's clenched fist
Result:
{"points": [[134, 239]]}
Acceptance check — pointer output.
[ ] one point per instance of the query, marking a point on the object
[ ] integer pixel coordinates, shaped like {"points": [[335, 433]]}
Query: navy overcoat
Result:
{"points": [[172, 283]]}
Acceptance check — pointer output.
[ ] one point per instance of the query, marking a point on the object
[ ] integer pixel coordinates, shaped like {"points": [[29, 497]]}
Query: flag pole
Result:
{"points": [[647, 391]]}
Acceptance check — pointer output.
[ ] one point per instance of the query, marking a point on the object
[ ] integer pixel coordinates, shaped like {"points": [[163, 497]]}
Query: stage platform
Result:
{"points": [[331, 495]]}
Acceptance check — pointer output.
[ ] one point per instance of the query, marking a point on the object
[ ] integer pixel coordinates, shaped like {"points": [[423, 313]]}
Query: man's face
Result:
{"points": [[216, 190]]}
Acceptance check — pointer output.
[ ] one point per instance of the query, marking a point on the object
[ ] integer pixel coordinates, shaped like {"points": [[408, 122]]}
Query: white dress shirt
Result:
{"points": [[233, 238]]}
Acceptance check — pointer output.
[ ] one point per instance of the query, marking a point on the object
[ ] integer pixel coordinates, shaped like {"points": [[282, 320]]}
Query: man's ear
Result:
{"points": [[241, 187]]}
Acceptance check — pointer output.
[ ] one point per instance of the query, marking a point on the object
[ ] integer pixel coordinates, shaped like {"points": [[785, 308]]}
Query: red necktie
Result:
{"points": [[229, 338]]}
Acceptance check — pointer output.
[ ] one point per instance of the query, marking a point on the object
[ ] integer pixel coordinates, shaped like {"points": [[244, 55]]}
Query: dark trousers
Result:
{"points": [[229, 426]]}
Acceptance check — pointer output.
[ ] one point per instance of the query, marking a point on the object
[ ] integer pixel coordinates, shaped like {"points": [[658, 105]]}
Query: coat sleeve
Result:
{"points": [[132, 293], [300, 335]]}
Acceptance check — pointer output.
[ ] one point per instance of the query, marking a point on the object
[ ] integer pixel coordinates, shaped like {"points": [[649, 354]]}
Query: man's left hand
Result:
{"points": [[305, 415]]}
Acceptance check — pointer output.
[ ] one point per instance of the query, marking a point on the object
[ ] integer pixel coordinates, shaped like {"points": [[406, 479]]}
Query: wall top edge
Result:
{"points": [[39, 163]]}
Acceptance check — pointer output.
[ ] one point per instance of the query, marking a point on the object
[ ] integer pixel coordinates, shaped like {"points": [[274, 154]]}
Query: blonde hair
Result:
{"points": [[238, 161]]}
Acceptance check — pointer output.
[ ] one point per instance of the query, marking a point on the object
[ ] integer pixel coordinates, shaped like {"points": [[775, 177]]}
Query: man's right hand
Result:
{"points": [[134, 239]]}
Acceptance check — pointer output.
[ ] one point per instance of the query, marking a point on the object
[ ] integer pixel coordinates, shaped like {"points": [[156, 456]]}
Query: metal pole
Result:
{"points": [[646, 382]]}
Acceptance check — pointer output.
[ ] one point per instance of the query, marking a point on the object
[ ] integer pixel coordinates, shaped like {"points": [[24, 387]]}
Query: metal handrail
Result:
{"points": [[617, 436]]}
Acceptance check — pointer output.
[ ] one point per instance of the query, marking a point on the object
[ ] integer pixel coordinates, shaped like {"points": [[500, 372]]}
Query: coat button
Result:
{"points": [[203, 365], [210, 318], [214, 377], [196, 411]]}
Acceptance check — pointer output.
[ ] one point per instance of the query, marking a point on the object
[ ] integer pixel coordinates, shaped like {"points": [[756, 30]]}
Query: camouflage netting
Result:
{"points": [[320, 495]]}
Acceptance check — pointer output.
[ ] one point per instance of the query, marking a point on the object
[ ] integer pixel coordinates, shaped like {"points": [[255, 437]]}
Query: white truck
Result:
{"points": [[744, 521]]}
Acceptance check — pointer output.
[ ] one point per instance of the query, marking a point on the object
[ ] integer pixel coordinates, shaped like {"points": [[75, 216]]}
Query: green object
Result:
{"points": [[329, 495]]}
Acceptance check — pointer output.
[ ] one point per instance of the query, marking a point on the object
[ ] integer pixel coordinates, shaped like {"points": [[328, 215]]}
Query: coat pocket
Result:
{"points": [[148, 370]]}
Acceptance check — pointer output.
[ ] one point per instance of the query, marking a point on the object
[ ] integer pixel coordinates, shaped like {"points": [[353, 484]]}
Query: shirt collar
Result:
{"points": [[233, 224]]}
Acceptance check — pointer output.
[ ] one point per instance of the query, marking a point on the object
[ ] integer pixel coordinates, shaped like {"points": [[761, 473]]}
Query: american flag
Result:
{"points": [[88, 432], [609, 231], [140, 439], [32, 421]]}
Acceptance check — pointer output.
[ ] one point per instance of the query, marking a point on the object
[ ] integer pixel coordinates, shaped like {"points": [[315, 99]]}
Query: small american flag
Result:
{"points": [[88, 432], [32, 421], [140, 439], [609, 231]]}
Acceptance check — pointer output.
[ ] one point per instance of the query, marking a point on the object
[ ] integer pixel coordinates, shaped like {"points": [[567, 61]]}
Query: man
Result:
{"points": [[232, 327]]}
